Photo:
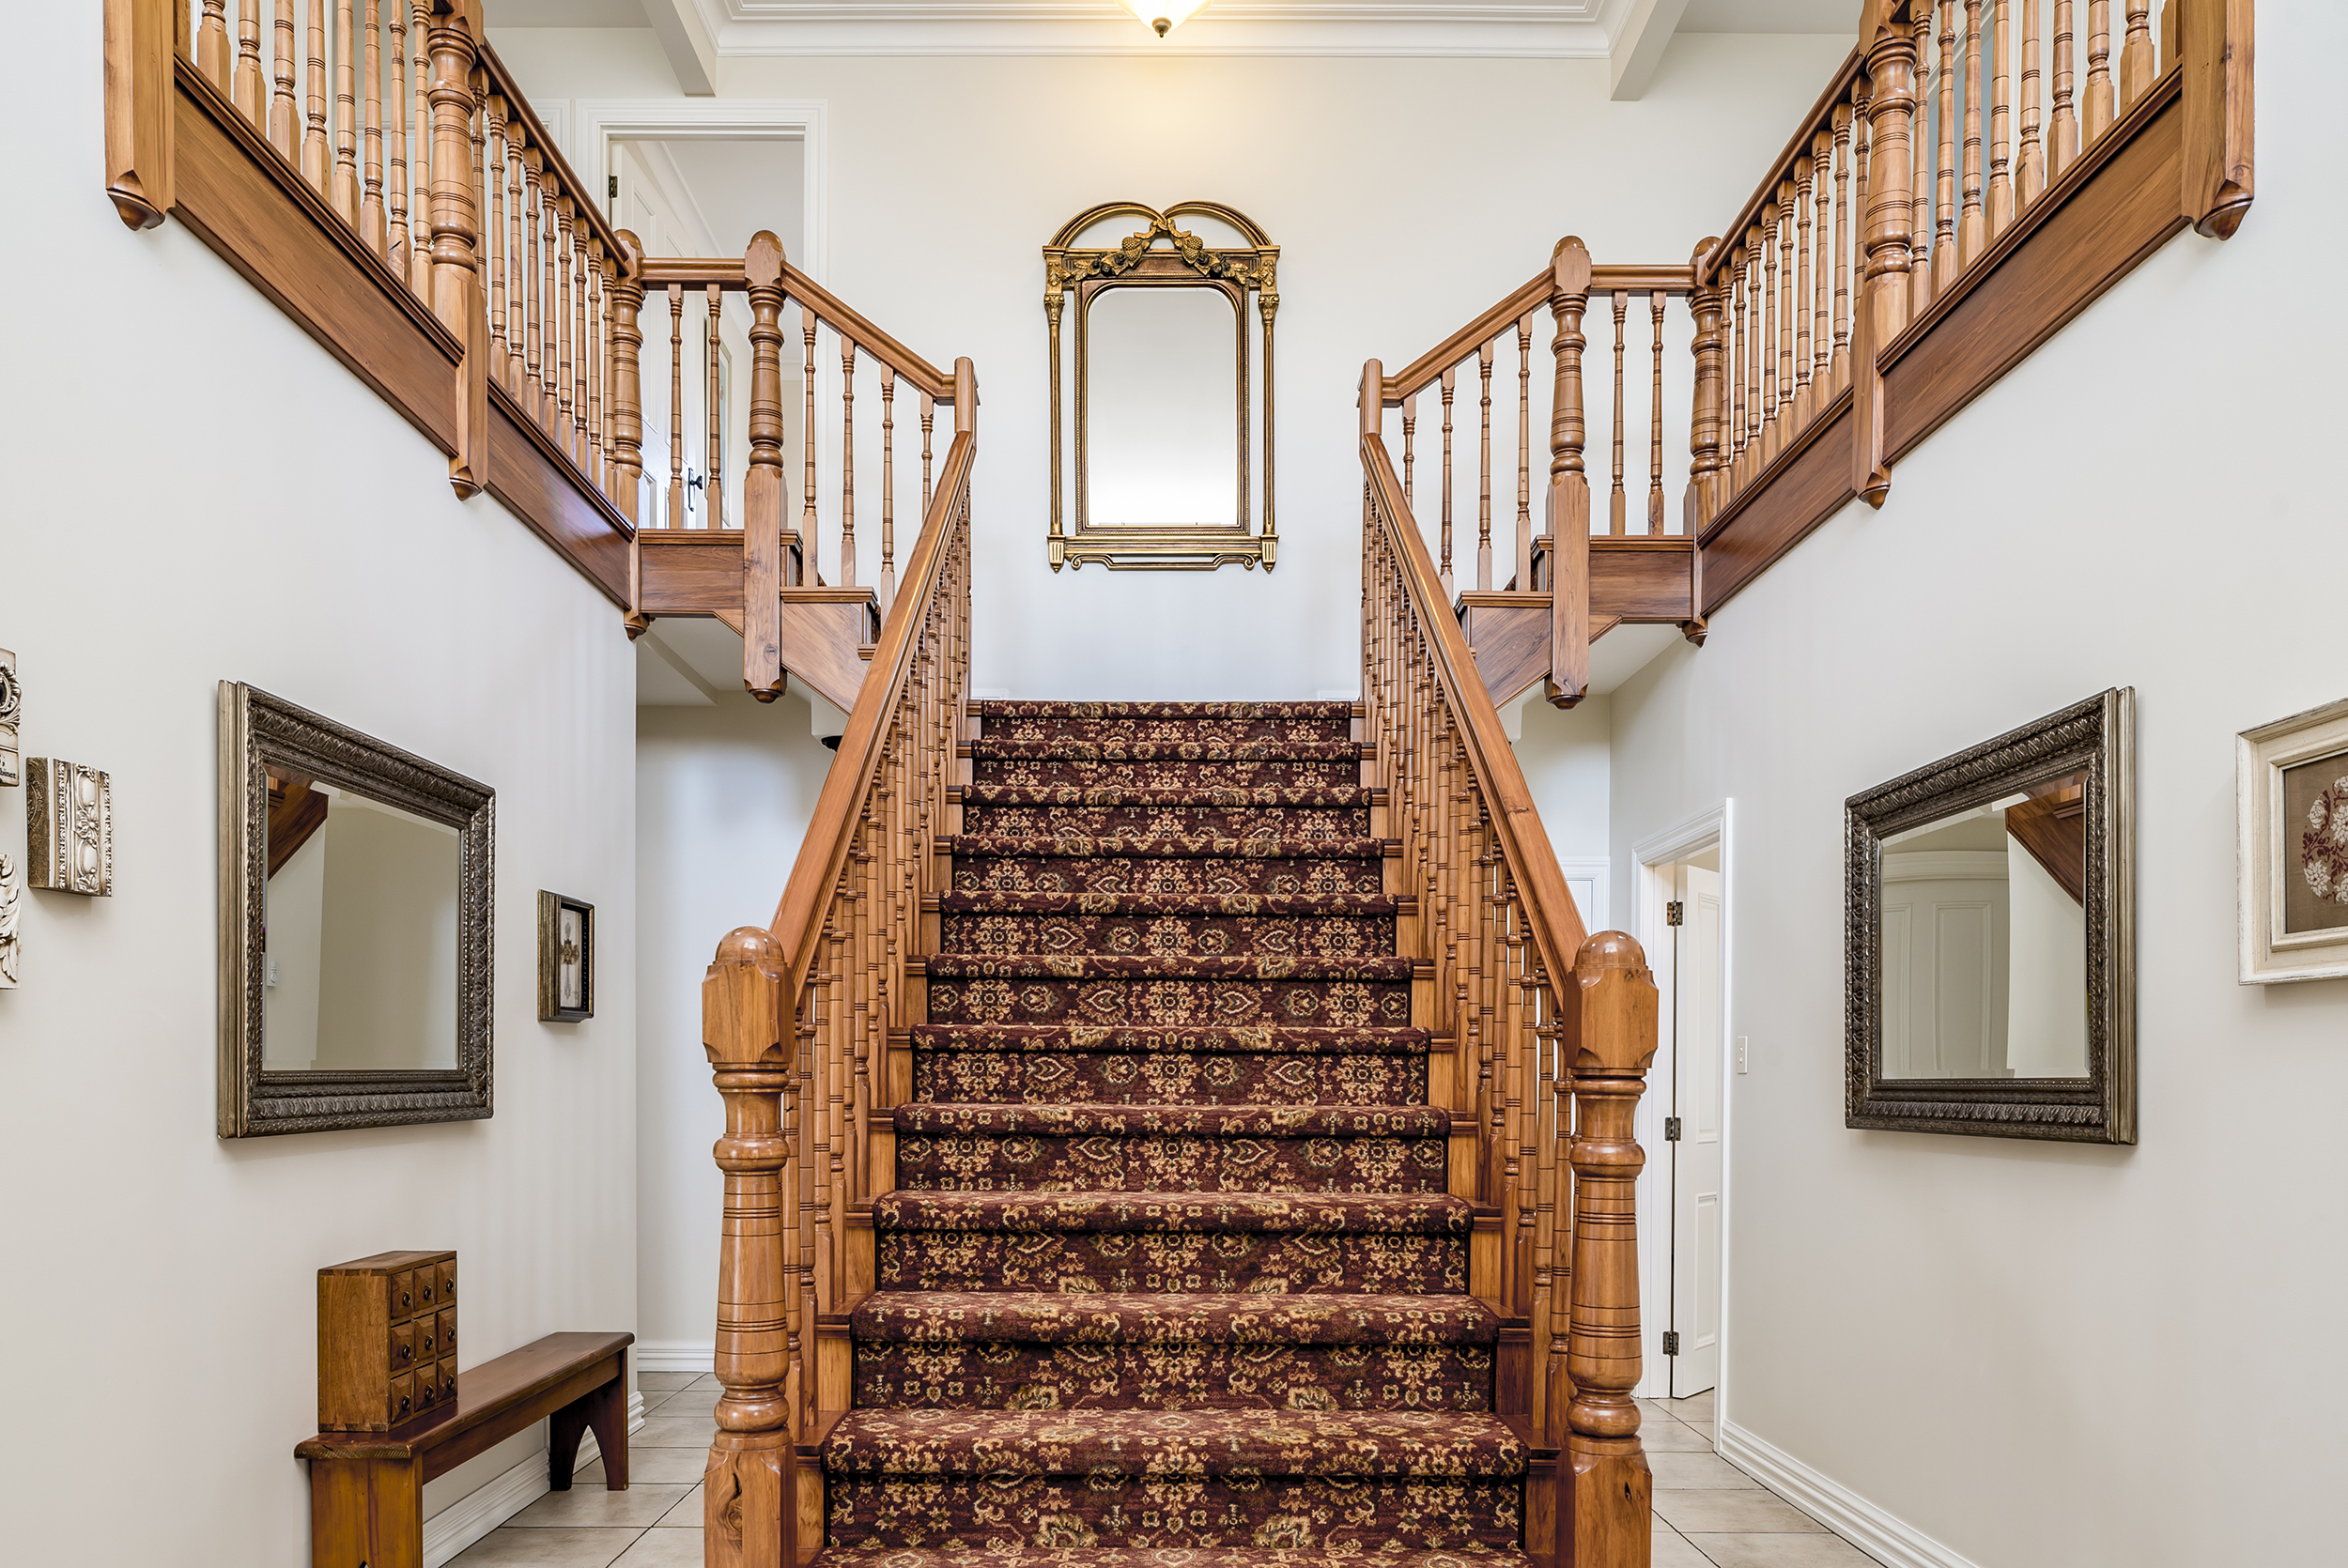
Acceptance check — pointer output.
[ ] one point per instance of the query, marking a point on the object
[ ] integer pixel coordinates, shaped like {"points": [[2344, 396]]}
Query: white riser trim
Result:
{"points": [[675, 1355], [1890, 1541], [482, 1510]]}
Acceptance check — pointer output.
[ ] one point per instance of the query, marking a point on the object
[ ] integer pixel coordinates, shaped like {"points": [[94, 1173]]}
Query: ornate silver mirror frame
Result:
{"points": [[2095, 738], [256, 731], [1161, 256]]}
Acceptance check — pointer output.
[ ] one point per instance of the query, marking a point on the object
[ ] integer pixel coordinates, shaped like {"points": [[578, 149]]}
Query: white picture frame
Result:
{"points": [[2274, 888]]}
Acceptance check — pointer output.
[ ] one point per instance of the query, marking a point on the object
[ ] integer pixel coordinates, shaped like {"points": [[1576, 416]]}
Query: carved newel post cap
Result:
{"points": [[754, 945], [631, 254], [1618, 1005], [742, 1011], [1569, 266], [762, 264]]}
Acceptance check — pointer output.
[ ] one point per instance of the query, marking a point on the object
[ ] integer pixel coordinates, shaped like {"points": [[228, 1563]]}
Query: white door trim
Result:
{"points": [[598, 122], [1650, 891]]}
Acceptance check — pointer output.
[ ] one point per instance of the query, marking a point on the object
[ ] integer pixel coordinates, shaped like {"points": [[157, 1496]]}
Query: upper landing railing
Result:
{"points": [[373, 166]]}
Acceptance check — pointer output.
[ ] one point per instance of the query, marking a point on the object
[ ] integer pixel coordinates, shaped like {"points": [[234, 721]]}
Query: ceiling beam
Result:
{"points": [[1638, 49], [685, 39]]}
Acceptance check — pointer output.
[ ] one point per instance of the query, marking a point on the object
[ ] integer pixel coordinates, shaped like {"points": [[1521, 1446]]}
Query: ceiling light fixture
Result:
{"points": [[1162, 16]]}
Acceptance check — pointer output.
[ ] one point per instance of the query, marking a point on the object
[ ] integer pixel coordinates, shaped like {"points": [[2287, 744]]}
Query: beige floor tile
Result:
{"points": [[641, 1504], [707, 1380], [1752, 1513], [687, 1514], [1695, 1472], [681, 1429], [547, 1548], [1779, 1551], [654, 1464], [1696, 1409], [1673, 1550], [1664, 1436], [664, 1548], [654, 1398], [667, 1382]]}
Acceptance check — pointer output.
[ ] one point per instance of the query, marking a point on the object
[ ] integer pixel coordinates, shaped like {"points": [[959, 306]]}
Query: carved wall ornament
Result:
{"points": [[69, 827], [11, 906], [11, 706], [1160, 255]]}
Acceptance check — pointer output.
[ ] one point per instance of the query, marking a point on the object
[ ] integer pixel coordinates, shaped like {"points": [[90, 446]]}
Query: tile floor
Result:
{"points": [[1708, 1513]]}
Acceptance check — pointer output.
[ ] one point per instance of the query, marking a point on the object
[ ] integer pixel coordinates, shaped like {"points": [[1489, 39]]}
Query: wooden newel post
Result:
{"points": [[627, 411], [762, 491], [965, 397], [1373, 397], [140, 39], [1889, 40], [1611, 1491], [1707, 435], [750, 1505], [455, 220], [1568, 482]]}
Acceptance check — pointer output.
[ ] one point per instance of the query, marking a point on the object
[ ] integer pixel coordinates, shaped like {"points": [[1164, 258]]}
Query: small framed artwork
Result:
{"points": [[566, 958], [2291, 862]]}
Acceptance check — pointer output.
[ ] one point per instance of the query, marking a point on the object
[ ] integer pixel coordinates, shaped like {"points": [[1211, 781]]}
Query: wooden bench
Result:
{"points": [[366, 1488]]}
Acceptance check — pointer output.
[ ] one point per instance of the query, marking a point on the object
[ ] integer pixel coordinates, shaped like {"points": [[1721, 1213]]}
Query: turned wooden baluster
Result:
{"points": [[762, 490], [583, 344], [285, 117], [1945, 263], [810, 572], [1788, 311], [345, 192], [1655, 420], [530, 289], [1801, 304], [628, 388], [399, 237], [245, 83], [1409, 458], [2100, 111], [1611, 1489], [888, 489], [2139, 65], [2033, 182], [314, 154], [1443, 566], [1522, 580], [550, 300], [1484, 470], [929, 416], [1568, 481], [1838, 368], [1887, 298], [504, 221], [1618, 505], [211, 43], [1765, 347], [1822, 301], [2064, 147], [676, 406], [1920, 189], [420, 152], [1708, 420], [1973, 226], [598, 345], [847, 459], [1741, 402], [750, 1488], [372, 227], [713, 408], [2002, 122], [559, 296]]}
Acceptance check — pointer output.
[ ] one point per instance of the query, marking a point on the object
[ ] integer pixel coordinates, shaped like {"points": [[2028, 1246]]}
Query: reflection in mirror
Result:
{"points": [[359, 932], [1162, 431], [1984, 940]]}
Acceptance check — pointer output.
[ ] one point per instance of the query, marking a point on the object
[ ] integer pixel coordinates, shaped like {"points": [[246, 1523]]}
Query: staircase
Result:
{"points": [[1170, 1261]]}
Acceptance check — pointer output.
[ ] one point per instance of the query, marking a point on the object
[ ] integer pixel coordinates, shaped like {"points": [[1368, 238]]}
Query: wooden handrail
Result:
{"points": [[726, 272], [1837, 86], [1558, 927], [1527, 297], [586, 208]]}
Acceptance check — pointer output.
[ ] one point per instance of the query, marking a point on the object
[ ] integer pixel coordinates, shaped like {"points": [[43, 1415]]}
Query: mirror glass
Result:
{"points": [[1161, 420], [1983, 940], [359, 932]]}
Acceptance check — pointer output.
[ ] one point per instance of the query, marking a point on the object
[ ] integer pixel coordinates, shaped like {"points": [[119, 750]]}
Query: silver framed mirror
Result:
{"points": [[1989, 936], [355, 889]]}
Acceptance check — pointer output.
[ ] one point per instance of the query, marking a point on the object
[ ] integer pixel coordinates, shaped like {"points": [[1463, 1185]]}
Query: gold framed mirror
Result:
{"points": [[1170, 465]]}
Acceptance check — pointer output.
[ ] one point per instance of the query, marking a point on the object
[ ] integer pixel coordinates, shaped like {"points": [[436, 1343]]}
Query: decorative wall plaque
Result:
{"points": [[11, 904], [12, 705], [566, 958], [69, 827]]}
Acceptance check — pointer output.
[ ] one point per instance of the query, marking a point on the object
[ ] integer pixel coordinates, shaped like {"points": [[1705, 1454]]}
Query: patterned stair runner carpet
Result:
{"points": [[1171, 1278]]}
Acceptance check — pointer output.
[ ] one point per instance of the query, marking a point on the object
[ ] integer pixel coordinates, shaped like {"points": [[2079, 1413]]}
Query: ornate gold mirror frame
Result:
{"points": [[1161, 256]]}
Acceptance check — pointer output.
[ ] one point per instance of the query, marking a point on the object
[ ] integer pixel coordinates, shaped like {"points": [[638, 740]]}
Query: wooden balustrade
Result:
{"points": [[1532, 1014], [804, 1025]]}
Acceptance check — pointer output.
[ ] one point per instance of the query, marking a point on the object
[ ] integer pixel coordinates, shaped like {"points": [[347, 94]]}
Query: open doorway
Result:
{"points": [[1682, 919]]}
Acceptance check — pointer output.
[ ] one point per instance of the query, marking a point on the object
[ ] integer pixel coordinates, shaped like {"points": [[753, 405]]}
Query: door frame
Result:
{"points": [[1651, 889], [598, 122]]}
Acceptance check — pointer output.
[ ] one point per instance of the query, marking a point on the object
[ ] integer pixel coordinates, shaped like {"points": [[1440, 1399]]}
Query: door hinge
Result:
{"points": [[1671, 1342], [1671, 1129], [612, 187], [1672, 913]]}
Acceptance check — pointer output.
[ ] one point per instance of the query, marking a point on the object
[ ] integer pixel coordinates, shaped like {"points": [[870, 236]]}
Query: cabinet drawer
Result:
{"points": [[403, 1295], [444, 1281], [427, 1289], [447, 1322], [428, 1338], [403, 1400], [446, 1374], [403, 1353]]}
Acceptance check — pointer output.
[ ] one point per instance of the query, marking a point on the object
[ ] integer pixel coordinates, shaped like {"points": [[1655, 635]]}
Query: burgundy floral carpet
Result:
{"points": [[1171, 1278]]}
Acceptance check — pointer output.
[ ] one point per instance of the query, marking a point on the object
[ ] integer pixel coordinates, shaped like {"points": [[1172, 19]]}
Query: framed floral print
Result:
{"points": [[2292, 865], [566, 958]]}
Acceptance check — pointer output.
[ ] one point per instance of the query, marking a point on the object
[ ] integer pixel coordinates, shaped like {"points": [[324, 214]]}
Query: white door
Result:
{"points": [[1695, 1154]]}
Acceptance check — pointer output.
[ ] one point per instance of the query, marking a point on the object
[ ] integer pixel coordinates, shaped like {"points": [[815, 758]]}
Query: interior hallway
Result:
{"points": [[1708, 1513]]}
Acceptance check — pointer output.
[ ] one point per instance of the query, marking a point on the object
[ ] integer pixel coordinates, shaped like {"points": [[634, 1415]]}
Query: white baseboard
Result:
{"points": [[674, 1355], [482, 1510], [1888, 1540]]}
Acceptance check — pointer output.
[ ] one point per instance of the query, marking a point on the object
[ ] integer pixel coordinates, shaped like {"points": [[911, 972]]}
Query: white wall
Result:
{"points": [[724, 795], [2042, 1355], [201, 493], [1406, 195]]}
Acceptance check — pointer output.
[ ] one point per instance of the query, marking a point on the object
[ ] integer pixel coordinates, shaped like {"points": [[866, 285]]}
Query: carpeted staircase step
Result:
{"points": [[1054, 1064], [1136, 989], [1332, 766], [1333, 796], [1281, 721], [1201, 1478], [1187, 820], [1389, 1555], [1384, 1244], [1284, 867], [1168, 935], [1036, 1351], [1197, 1149]]}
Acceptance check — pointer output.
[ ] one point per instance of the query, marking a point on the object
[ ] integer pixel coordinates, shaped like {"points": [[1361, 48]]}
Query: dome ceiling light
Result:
{"points": [[1162, 16]]}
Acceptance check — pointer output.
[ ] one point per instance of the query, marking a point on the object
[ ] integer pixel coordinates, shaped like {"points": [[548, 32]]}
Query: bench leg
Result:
{"points": [[366, 1513], [563, 1429], [603, 1410]]}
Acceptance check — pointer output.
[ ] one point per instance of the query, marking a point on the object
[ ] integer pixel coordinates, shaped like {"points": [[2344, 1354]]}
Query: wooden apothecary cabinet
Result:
{"points": [[387, 1340]]}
